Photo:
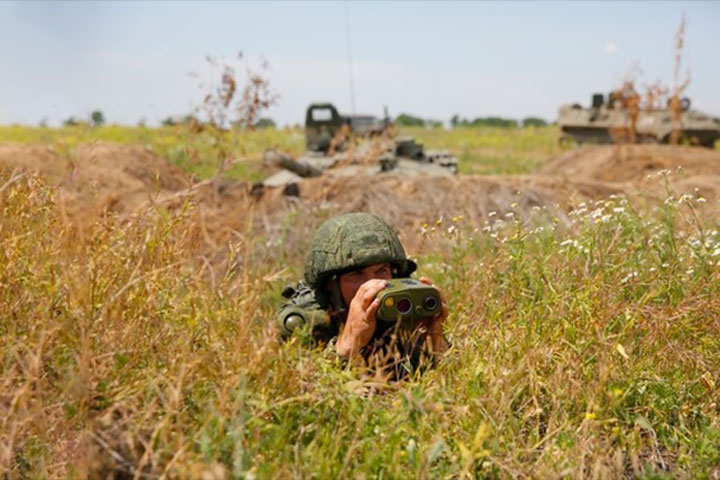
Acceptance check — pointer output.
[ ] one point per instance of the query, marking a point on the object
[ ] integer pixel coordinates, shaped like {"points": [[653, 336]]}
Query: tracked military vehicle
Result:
{"points": [[340, 146], [608, 120]]}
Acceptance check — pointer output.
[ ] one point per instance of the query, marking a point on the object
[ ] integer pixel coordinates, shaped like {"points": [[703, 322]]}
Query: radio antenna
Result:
{"points": [[349, 54]]}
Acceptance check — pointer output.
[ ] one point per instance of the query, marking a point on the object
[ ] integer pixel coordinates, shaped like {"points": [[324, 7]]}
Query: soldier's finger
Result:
{"points": [[372, 287], [442, 297], [427, 281], [368, 285], [373, 308], [361, 294], [370, 290]]}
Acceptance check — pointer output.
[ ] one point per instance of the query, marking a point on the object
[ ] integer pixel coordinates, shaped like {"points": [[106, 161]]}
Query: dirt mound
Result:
{"points": [[427, 198], [103, 177], [691, 170], [33, 157], [99, 176], [129, 166], [407, 203], [632, 163], [120, 178]]}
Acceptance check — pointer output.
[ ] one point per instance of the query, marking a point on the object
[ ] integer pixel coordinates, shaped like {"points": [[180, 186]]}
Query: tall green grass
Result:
{"points": [[494, 150], [588, 350]]}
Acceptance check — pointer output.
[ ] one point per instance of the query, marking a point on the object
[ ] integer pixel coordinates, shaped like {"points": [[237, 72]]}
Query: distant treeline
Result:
{"points": [[97, 118], [263, 122], [456, 121], [406, 120]]}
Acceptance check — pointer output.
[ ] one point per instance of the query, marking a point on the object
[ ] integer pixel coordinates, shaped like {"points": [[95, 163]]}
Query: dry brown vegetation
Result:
{"points": [[106, 178], [136, 339]]}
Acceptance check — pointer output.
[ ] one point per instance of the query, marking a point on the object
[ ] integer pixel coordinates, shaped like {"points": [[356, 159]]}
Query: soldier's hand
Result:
{"points": [[435, 328], [361, 320]]}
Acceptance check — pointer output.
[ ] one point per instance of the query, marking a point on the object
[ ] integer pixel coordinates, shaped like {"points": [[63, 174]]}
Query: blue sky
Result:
{"points": [[514, 59]]}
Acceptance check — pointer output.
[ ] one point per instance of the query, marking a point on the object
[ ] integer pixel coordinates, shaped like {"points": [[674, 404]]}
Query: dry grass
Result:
{"points": [[586, 351]]}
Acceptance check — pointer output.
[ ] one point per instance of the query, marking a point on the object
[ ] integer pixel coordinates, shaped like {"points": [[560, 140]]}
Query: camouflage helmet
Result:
{"points": [[352, 241]]}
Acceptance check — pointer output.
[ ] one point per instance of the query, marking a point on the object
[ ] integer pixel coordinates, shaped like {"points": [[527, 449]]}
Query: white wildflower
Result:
{"points": [[629, 277], [684, 198], [596, 213], [498, 224]]}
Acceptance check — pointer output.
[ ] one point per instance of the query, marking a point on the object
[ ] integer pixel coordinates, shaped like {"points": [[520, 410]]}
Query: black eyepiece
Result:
{"points": [[431, 302], [404, 305]]}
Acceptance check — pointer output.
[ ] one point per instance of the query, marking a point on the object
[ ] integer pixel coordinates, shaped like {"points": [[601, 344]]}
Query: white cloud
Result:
{"points": [[610, 48]]}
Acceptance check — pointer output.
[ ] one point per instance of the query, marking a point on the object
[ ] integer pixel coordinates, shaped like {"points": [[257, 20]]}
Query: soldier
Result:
{"points": [[351, 259]]}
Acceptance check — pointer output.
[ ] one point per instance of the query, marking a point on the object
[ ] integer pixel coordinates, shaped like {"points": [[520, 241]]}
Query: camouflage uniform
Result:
{"points": [[316, 307]]}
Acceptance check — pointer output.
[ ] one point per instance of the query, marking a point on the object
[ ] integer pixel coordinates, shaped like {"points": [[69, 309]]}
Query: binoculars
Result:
{"points": [[406, 299], [403, 301]]}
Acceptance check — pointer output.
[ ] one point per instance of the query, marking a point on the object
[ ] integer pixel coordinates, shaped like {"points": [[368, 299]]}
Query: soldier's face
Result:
{"points": [[350, 282]]}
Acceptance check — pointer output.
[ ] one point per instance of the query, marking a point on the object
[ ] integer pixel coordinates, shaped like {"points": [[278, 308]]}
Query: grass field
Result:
{"points": [[479, 150], [583, 351], [495, 150]]}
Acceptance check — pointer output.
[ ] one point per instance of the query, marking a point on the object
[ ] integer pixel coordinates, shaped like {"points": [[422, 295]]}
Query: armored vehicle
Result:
{"points": [[340, 145], [323, 123], [608, 120]]}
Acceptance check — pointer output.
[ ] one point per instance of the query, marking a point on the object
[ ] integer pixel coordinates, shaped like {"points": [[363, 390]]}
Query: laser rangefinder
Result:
{"points": [[406, 299]]}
